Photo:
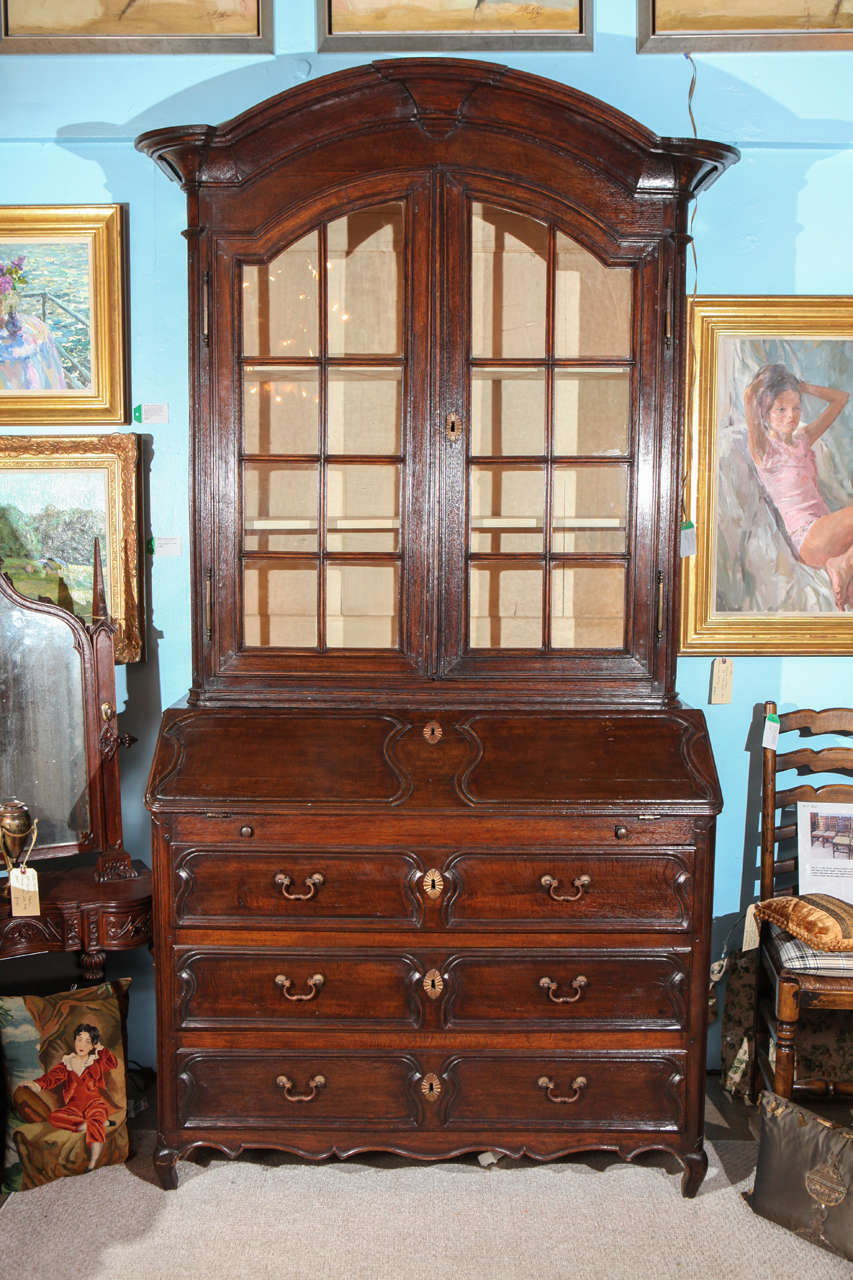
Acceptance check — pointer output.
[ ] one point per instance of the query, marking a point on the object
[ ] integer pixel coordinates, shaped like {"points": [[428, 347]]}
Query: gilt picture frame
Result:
{"points": [[699, 26], [767, 575], [137, 26], [447, 25], [57, 494], [62, 315]]}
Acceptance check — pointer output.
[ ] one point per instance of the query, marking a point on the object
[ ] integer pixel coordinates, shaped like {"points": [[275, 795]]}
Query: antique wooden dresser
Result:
{"points": [[433, 835]]}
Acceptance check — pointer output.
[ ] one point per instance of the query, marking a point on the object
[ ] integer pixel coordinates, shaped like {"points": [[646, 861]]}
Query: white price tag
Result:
{"points": [[688, 538], [24, 889], [771, 733]]}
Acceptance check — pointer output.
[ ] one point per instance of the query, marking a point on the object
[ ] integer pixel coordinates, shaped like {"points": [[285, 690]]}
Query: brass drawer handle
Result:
{"points": [[313, 883], [578, 1085], [284, 984], [578, 983], [315, 1083], [581, 883]]}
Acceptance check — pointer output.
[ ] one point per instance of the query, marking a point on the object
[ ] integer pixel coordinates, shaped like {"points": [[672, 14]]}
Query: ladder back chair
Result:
{"points": [[809, 964]]}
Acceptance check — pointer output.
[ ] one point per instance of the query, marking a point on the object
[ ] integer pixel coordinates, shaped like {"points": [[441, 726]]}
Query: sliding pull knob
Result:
{"points": [[312, 883], [578, 1085], [580, 883]]}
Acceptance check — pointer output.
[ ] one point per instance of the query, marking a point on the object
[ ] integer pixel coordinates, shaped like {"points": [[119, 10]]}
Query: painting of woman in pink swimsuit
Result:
{"points": [[781, 446]]}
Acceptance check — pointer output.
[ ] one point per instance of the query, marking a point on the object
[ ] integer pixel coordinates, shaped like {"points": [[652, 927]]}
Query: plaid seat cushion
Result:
{"points": [[793, 953]]}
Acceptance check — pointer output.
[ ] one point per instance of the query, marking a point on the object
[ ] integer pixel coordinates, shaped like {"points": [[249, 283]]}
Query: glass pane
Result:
{"points": [[588, 607], [43, 752], [507, 508], [505, 604], [365, 411], [592, 412], [589, 509], [362, 606], [280, 604], [508, 284], [280, 503], [365, 282], [281, 302], [363, 507], [508, 411], [280, 410], [592, 305]]}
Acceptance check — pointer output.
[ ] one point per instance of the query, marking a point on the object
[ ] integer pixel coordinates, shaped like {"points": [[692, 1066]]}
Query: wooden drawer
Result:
{"points": [[267, 1090], [316, 886], [316, 988], [593, 1091], [567, 988], [582, 888]]}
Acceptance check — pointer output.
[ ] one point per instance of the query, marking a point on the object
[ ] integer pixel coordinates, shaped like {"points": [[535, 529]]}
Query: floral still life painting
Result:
{"points": [[66, 1093], [131, 17], [382, 17]]}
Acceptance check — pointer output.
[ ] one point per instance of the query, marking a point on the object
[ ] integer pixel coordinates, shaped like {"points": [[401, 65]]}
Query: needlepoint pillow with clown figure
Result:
{"points": [[66, 1100]]}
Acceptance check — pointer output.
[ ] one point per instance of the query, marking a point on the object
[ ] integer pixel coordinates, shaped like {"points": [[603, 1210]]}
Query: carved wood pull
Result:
{"points": [[578, 1085], [315, 1083], [284, 984], [548, 985], [551, 883], [313, 883]]}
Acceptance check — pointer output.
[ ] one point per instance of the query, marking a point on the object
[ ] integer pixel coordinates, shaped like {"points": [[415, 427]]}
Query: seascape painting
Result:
{"points": [[49, 520], [45, 315], [672, 17], [132, 17], [783, 522], [387, 17]]}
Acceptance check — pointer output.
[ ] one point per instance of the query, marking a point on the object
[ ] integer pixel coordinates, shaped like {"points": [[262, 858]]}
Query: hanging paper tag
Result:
{"points": [[750, 929], [688, 538], [24, 887], [771, 733]]}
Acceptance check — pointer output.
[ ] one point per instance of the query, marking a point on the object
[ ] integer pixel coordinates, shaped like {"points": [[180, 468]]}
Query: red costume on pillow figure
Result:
{"points": [[81, 1075]]}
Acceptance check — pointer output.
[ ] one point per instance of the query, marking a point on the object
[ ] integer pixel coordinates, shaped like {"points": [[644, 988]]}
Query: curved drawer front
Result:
{"points": [[568, 988], [291, 987], [305, 886], [587, 888], [594, 1091], [269, 1090]]}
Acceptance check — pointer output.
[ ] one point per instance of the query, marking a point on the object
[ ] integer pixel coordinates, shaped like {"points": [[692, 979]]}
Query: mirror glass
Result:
{"points": [[42, 747]]}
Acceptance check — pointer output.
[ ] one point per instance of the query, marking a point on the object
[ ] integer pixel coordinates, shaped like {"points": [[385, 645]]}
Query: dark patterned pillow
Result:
{"points": [[66, 1103], [804, 1175]]}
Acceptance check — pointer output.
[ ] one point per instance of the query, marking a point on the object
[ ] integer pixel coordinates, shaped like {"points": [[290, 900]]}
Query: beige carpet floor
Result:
{"points": [[269, 1217]]}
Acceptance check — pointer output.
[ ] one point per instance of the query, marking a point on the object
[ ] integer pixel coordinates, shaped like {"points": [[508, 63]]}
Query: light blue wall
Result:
{"points": [[779, 222]]}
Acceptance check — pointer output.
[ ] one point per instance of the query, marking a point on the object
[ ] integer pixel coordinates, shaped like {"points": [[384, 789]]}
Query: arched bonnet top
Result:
{"points": [[445, 109]]}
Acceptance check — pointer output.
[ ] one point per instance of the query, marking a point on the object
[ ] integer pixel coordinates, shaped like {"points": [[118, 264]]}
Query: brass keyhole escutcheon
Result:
{"points": [[431, 1087], [433, 984], [433, 883], [433, 731]]}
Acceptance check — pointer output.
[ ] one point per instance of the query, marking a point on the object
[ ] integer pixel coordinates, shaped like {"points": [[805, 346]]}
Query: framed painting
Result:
{"points": [[57, 495], [136, 26], [453, 24], [62, 333], [676, 26], [769, 476]]}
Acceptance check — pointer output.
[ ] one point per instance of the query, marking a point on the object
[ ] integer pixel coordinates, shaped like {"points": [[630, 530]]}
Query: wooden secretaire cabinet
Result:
{"points": [[433, 835]]}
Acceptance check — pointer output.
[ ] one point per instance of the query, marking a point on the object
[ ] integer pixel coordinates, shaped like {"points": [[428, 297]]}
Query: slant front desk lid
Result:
{"points": [[449, 759]]}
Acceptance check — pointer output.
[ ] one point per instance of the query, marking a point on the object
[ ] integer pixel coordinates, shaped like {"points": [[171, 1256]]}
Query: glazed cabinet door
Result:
{"points": [[435, 437]]}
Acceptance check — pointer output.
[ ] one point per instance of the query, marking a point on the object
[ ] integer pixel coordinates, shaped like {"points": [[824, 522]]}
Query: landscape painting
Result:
{"points": [[668, 25], [132, 17], [57, 495]]}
